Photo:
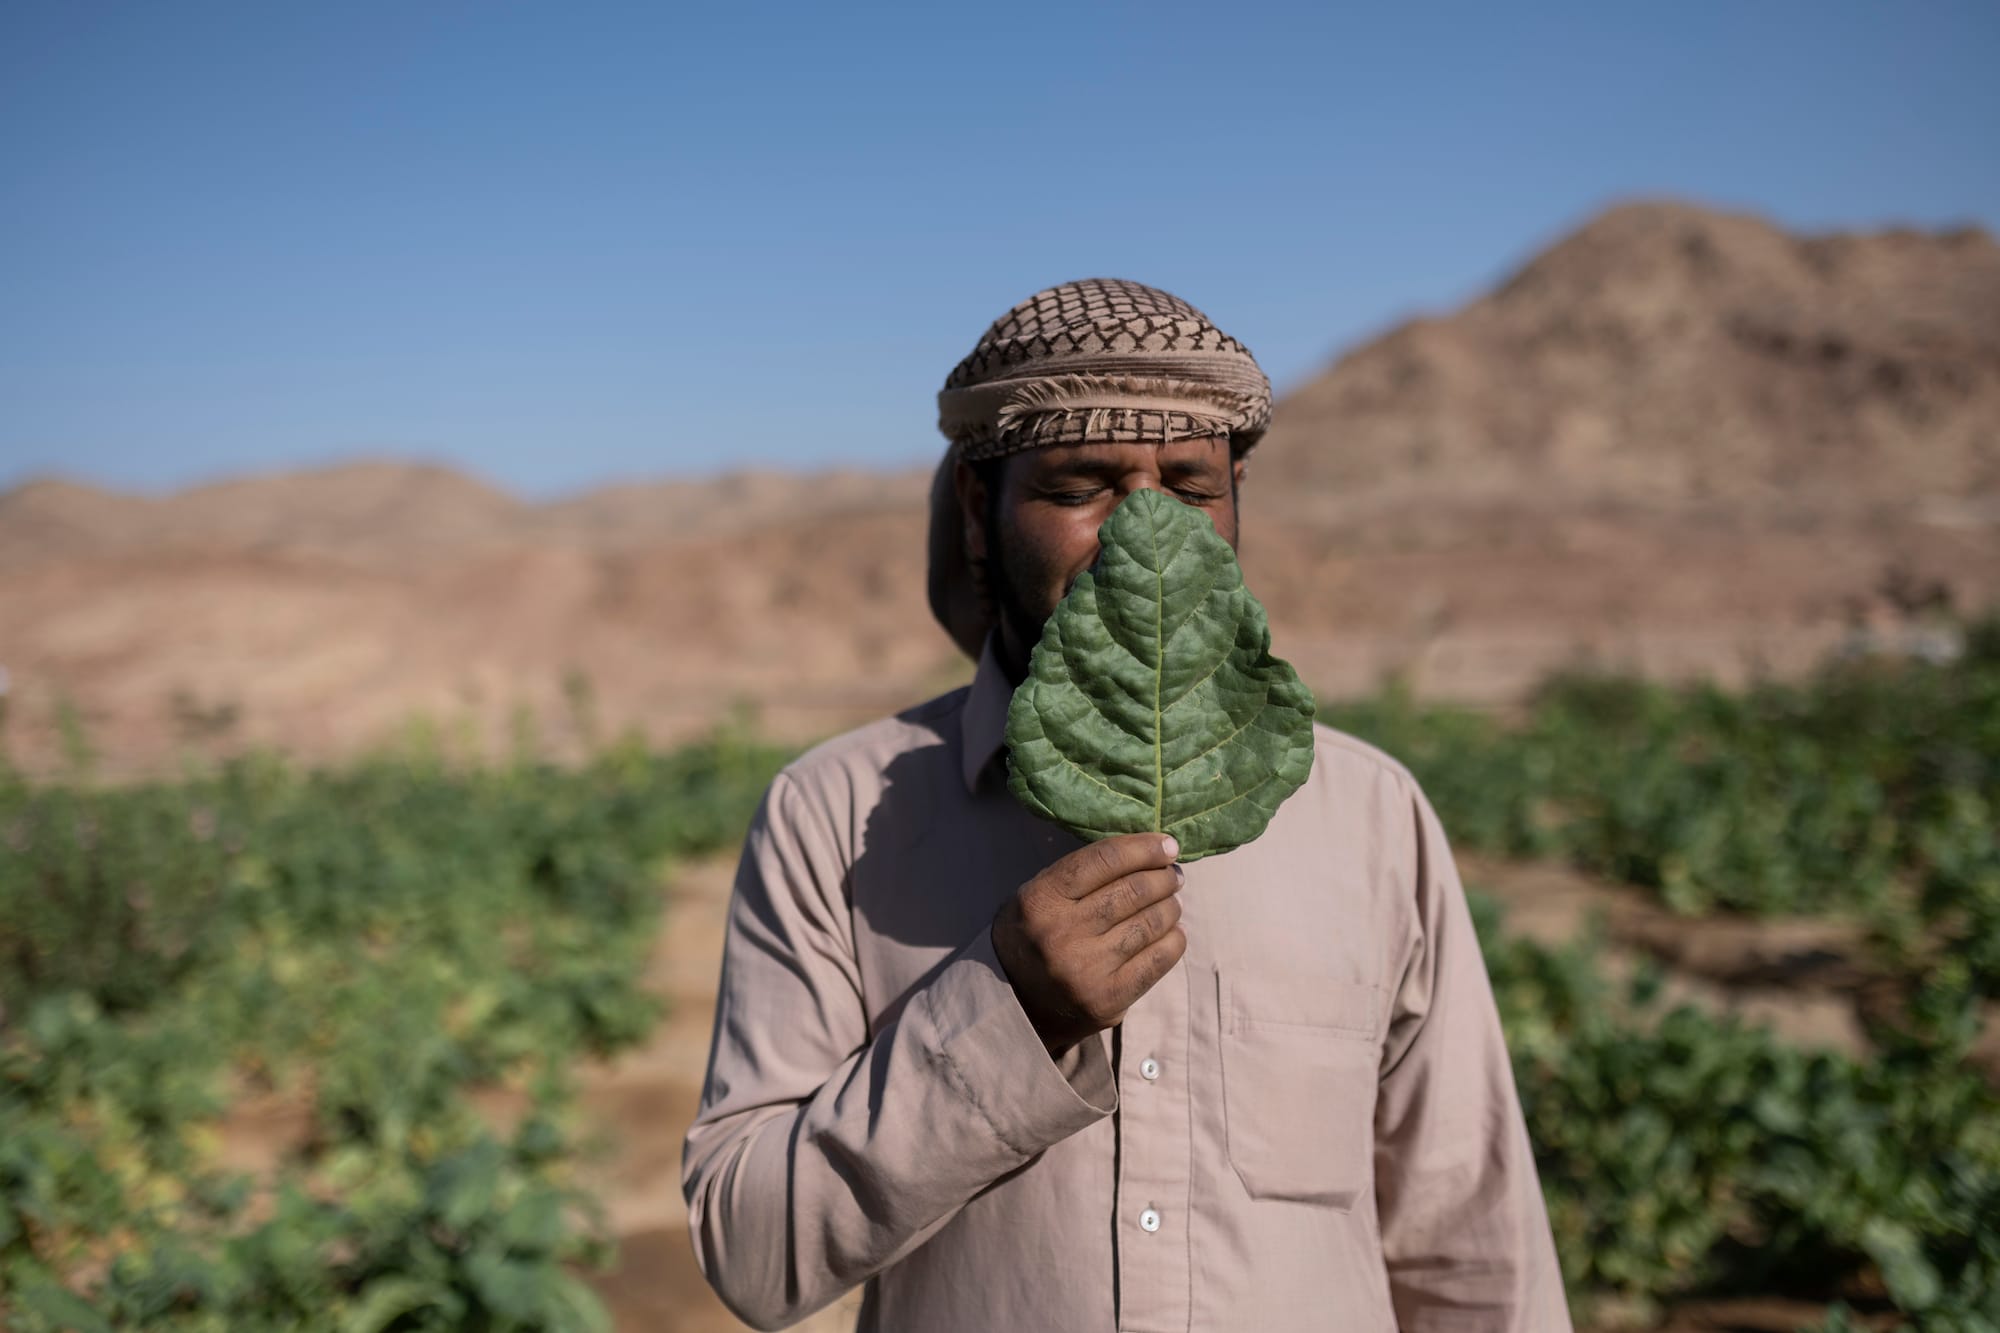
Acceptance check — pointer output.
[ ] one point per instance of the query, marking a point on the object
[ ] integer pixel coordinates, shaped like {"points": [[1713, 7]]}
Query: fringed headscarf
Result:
{"points": [[1096, 361]]}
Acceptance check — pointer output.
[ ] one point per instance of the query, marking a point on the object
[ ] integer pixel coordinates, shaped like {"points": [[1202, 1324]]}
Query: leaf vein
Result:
{"points": [[1243, 795], [1207, 676], [1093, 778], [1223, 744]]}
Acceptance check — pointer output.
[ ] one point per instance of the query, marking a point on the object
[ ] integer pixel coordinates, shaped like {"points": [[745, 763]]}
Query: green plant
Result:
{"points": [[1871, 788], [1682, 1153], [373, 942], [1152, 701]]}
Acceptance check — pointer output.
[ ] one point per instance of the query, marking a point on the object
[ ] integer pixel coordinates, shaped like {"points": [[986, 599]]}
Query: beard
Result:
{"points": [[1010, 572], [1024, 580]]}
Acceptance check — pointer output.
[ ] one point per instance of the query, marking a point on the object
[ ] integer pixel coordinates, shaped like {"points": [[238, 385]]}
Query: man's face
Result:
{"points": [[1040, 531]]}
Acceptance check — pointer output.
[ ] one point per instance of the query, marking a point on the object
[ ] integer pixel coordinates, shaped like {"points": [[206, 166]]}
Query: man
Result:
{"points": [[1012, 1082]]}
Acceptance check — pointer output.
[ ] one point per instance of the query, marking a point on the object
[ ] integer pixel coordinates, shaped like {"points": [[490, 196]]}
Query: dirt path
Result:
{"points": [[643, 1102], [1814, 981], [1805, 978]]}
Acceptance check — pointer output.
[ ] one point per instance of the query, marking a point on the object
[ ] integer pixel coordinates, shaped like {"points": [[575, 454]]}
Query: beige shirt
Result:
{"points": [[1310, 1123]]}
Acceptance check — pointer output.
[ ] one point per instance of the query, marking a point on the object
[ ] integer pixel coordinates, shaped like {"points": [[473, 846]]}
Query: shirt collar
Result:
{"points": [[983, 723]]}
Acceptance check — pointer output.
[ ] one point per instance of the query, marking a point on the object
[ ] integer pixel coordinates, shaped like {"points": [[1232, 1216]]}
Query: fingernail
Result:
{"points": [[1180, 875], [1170, 847]]}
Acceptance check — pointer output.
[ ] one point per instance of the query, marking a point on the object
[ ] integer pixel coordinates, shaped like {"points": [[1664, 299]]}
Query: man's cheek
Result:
{"points": [[1038, 578], [1070, 569], [1052, 584]]}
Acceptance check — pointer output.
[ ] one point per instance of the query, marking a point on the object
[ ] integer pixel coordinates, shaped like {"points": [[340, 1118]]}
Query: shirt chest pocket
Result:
{"points": [[1299, 1066]]}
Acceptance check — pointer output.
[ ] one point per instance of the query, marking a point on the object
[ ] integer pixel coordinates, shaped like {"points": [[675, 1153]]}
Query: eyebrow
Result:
{"points": [[1106, 467]]}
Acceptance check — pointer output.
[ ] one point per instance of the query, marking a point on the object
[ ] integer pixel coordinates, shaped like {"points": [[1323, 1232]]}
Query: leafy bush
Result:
{"points": [[1682, 1153], [374, 941], [1873, 787], [377, 940]]}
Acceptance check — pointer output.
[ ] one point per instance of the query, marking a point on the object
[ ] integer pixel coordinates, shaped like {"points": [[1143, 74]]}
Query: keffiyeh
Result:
{"points": [[1096, 361]]}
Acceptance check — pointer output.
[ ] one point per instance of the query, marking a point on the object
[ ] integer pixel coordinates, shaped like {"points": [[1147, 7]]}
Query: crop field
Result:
{"points": [[1684, 1153], [381, 941], [389, 942]]}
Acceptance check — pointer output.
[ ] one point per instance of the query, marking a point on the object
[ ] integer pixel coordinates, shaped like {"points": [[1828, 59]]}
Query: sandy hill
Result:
{"points": [[1667, 356], [381, 514], [406, 506], [1676, 441]]}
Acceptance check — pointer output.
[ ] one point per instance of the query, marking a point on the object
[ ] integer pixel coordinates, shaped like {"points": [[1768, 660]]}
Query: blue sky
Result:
{"points": [[559, 244]]}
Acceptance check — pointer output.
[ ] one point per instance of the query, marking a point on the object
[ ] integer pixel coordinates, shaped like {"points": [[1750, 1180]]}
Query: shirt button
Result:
{"points": [[1149, 1220], [1149, 1069]]}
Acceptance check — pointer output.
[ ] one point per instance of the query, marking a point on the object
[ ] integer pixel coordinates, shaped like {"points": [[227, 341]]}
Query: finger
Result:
{"points": [[1144, 971], [1090, 868], [1127, 897], [1139, 932]]}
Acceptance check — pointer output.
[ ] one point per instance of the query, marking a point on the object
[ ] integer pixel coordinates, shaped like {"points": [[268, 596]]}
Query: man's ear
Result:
{"points": [[972, 509], [1238, 470]]}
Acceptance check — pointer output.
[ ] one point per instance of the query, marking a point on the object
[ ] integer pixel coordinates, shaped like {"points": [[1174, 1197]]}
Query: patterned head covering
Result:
{"points": [[1096, 361]]}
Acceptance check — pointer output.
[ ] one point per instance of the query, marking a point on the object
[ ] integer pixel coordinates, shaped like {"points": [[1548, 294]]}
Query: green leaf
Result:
{"points": [[1152, 701], [62, 1308], [575, 1307], [509, 1289], [386, 1301], [535, 1223], [464, 1187], [1899, 1252]]}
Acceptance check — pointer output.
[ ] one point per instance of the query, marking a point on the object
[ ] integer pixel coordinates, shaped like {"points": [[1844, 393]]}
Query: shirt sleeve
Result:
{"points": [[1465, 1233], [823, 1153]]}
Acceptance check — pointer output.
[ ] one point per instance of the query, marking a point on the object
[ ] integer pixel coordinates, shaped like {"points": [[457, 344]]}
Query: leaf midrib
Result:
{"points": [[1159, 682]]}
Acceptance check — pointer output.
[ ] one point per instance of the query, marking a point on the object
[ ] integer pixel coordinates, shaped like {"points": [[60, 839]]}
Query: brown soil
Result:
{"points": [[1756, 1315], [1814, 981], [643, 1103]]}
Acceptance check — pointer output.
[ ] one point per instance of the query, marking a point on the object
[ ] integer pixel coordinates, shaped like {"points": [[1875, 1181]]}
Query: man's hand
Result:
{"points": [[1088, 936]]}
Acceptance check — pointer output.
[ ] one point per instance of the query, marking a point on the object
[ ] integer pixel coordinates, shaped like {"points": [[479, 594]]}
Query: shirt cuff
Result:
{"points": [[999, 1063]]}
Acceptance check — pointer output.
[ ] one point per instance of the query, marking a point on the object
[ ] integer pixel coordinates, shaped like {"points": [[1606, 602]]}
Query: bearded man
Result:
{"points": [[1013, 1082]]}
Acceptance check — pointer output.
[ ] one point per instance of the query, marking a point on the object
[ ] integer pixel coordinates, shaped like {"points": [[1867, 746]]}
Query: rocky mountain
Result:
{"points": [[1666, 356], [1677, 441]]}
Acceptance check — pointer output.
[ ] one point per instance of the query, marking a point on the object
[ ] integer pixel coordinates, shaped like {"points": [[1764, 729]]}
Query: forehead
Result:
{"points": [[1179, 457]]}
